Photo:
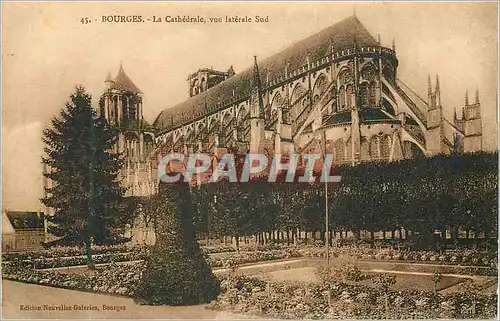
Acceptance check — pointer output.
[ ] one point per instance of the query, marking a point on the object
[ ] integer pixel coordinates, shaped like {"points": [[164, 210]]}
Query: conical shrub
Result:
{"points": [[176, 272]]}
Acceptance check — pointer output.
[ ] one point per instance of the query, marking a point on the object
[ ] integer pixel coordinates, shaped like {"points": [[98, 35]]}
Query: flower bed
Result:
{"points": [[218, 249], [66, 251], [229, 260], [65, 261], [78, 252], [252, 257], [267, 253], [112, 279], [297, 300], [246, 247], [468, 258]]}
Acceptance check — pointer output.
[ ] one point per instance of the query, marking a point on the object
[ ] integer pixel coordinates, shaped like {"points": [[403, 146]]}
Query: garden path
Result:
{"points": [[16, 294]]}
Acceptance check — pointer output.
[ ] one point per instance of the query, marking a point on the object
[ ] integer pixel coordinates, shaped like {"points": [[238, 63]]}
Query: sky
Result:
{"points": [[47, 51]]}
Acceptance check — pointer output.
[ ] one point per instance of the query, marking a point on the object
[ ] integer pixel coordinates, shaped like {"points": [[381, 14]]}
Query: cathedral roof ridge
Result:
{"points": [[337, 37]]}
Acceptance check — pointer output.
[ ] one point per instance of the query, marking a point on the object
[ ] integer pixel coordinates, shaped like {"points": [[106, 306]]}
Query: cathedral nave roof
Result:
{"points": [[342, 35]]}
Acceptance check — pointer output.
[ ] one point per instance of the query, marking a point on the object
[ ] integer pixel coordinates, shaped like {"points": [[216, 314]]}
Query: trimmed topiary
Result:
{"points": [[176, 272]]}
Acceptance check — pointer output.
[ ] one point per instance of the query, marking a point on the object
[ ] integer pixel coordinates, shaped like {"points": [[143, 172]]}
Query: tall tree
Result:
{"points": [[86, 195]]}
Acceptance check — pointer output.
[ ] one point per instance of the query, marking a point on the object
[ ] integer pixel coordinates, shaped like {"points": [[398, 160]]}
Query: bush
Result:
{"points": [[176, 272], [177, 277], [344, 269]]}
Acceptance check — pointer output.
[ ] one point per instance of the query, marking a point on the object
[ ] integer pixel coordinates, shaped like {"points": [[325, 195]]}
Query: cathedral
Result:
{"points": [[336, 90]]}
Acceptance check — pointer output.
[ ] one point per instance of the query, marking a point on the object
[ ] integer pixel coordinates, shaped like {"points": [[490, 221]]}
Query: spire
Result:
{"points": [[393, 44], [429, 85], [108, 77], [257, 87], [477, 96], [438, 92], [123, 82], [378, 39], [256, 73], [466, 98]]}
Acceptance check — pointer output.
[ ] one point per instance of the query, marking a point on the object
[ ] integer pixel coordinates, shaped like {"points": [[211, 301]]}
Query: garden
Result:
{"points": [[409, 239], [300, 287]]}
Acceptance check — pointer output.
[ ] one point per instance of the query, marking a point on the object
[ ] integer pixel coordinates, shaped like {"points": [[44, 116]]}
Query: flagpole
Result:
{"points": [[326, 225], [327, 231]]}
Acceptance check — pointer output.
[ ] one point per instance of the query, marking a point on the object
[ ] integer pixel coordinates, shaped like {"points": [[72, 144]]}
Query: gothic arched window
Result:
{"points": [[342, 104], [363, 94], [373, 94], [274, 116], [267, 112], [194, 87], [241, 124], [385, 147], [339, 150], [320, 85], [368, 72], [350, 97], [349, 149], [203, 85], [374, 147], [365, 149]]}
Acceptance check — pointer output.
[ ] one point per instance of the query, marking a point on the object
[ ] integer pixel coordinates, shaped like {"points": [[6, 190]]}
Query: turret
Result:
{"points": [[429, 92], [434, 134], [437, 92], [109, 82], [472, 126]]}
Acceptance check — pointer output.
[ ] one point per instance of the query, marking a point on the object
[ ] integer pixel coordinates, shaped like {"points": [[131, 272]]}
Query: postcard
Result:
{"points": [[260, 160]]}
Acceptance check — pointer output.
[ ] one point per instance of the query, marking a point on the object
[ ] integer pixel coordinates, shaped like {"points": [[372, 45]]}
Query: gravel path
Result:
{"points": [[16, 294]]}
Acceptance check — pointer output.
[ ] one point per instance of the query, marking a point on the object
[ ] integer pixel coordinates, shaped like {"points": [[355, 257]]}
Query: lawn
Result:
{"points": [[404, 281]]}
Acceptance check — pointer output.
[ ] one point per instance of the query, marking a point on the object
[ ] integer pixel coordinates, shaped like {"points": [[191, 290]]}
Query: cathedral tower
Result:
{"points": [[206, 78], [121, 103]]}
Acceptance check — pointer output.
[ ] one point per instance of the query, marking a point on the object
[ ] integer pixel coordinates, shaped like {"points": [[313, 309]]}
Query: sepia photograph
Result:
{"points": [[249, 160]]}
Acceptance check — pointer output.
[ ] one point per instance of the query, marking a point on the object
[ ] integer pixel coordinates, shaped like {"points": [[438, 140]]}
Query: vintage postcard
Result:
{"points": [[260, 160]]}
